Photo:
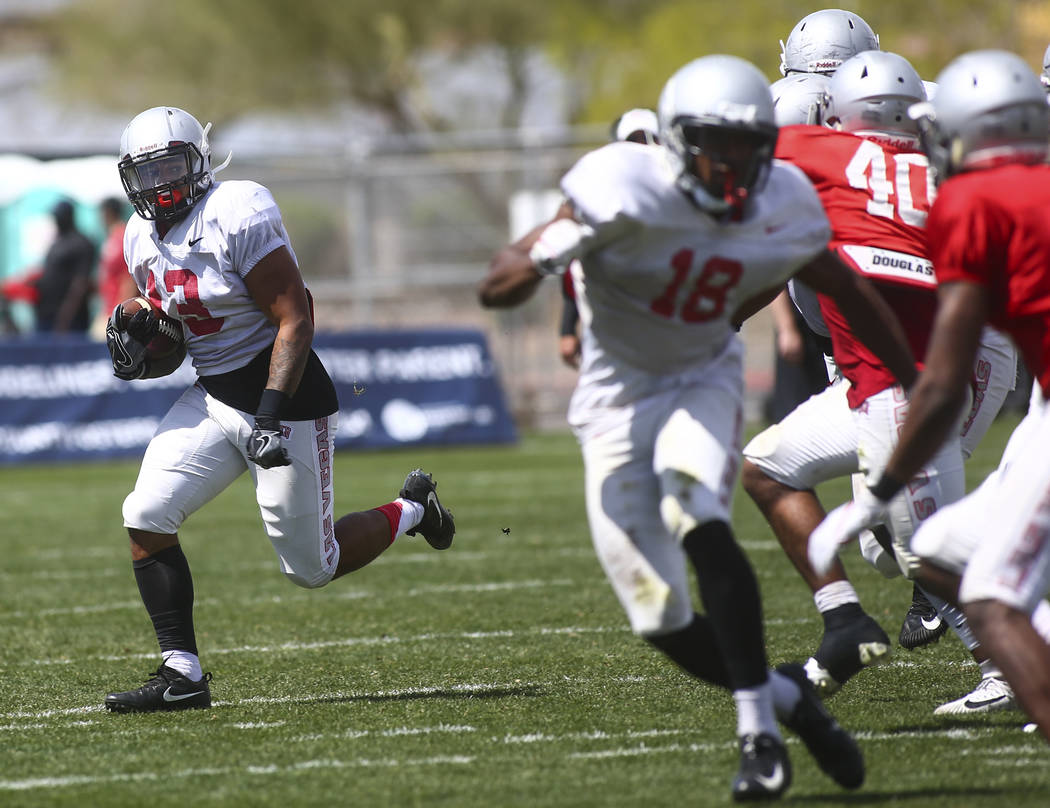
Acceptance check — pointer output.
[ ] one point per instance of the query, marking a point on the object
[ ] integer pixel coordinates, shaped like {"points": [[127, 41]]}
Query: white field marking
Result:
{"points": [[346, 642], [305, 765], [357, 594], [257, 724], [642, 749], [354, 734], [594, 735]]}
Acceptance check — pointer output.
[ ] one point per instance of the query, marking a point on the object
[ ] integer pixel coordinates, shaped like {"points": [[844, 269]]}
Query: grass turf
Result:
{"points": [[500, 672]]}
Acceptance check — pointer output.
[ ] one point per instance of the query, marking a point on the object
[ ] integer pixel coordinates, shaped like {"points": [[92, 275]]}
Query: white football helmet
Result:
{"points": [[1044, 77], [823, 40], [638, 125], [870, 94], [165, 163], [716, 121], [797, 98], [990, 109]]}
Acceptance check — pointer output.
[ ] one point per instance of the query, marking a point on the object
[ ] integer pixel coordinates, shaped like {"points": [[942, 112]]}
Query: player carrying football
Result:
{"points": [[215, 255]]}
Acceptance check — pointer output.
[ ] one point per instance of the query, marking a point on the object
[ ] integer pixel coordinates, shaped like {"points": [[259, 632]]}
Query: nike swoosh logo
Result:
{"points": [[195, 240], [169, 696], [930, 625], [976, 705], [433, 500], [772, 782]]}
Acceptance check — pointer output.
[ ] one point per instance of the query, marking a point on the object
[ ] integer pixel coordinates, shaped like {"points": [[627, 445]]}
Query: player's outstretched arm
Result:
{"points": [[870, 318], [517, 269]]}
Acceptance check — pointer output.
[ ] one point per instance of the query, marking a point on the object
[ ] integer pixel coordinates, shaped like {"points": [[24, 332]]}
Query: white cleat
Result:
{"points": [[991, 695]]}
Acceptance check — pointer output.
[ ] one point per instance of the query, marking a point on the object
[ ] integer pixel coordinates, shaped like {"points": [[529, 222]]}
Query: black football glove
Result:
{"points": [[264, 445], [127, 344]]}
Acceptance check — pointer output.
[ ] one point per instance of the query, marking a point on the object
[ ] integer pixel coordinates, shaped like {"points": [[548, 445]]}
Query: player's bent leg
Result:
{"points": [[994, 377], [831, 746], [186, 464], [817, 441], [730, 594], [694, 649], [1006, 632]]}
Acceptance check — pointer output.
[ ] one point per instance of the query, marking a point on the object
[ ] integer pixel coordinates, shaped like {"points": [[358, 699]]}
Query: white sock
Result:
{"points": [[786, 693], [754, 710], [1041, 620], [990, 670], [185, 663], [411, 514], [831, 596]]}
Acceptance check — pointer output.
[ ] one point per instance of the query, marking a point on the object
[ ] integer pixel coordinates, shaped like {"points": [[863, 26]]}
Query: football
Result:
{"points": [[169, 338]]}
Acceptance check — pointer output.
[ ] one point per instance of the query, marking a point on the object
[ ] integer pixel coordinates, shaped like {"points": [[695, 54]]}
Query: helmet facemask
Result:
{"points": [[725, 163], [164, 184]]}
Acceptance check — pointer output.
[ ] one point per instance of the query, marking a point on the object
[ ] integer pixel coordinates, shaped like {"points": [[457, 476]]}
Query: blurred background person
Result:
{"points": [[65, 284], [114, 281]]}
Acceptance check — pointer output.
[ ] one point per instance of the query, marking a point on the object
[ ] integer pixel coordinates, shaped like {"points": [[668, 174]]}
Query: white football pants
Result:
{"points": [[200, 448]]}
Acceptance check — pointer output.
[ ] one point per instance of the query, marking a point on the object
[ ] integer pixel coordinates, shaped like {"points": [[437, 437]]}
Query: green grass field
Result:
{"points": [[498, 673]]}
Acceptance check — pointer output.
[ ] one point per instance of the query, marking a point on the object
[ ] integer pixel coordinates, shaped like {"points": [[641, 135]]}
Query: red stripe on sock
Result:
{"points": [[392, 512]]}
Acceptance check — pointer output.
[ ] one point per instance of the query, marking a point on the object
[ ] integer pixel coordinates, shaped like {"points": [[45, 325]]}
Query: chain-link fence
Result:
{"points": [[400, 236]]}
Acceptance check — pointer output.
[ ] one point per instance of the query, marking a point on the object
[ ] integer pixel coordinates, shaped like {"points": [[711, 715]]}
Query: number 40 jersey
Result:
{"points": [[196, 272], [877, 194], [662, 279]]}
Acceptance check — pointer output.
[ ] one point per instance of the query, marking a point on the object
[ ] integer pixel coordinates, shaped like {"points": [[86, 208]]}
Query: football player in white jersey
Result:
{"points": [[215, 256], [674, 242]]}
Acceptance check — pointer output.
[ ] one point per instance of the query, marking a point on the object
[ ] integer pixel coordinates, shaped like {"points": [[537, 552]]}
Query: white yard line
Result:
{"points": [[1009, 753], [296, 597], [291, 768]]}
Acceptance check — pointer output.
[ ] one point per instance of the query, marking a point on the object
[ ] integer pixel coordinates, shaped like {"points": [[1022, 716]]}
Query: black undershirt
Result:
{"points": [[241, 388]]}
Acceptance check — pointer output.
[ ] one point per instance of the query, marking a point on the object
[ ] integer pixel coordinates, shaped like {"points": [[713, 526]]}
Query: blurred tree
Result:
{"points": [[224, 57]]}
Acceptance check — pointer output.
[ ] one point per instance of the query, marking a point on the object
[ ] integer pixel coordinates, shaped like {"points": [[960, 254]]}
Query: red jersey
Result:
{"points": [[111, 269], [877, 197], [992, 227]]}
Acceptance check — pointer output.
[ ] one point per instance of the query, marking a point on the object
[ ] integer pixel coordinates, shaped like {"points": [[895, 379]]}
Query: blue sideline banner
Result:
{"points": [[59, 400]]}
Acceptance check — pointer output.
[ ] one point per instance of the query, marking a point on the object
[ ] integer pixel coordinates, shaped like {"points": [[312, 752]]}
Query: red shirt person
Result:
{"points": [[989, 238]]}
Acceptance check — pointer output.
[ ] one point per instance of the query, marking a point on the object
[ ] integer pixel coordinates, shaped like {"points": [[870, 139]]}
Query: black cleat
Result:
{"points": [[167, 690], [922, 624], [765, 770], [852, 641], [831, 746], [437, 525]]}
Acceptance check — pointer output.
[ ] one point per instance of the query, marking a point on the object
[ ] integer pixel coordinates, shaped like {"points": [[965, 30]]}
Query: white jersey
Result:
{"points": [[196, 272], [657, 292]]}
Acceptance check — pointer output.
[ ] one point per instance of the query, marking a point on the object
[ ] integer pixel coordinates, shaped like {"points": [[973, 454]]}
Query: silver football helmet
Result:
{"points": [[1044, 77], [989, 109], [638, 125], [870, 94], [165, 163], [797, 98], [716, 121], [823, 40]]}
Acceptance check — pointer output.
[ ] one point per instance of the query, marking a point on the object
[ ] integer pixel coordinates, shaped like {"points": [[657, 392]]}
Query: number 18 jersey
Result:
{"points": [[662, 278], [196, 272]]}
